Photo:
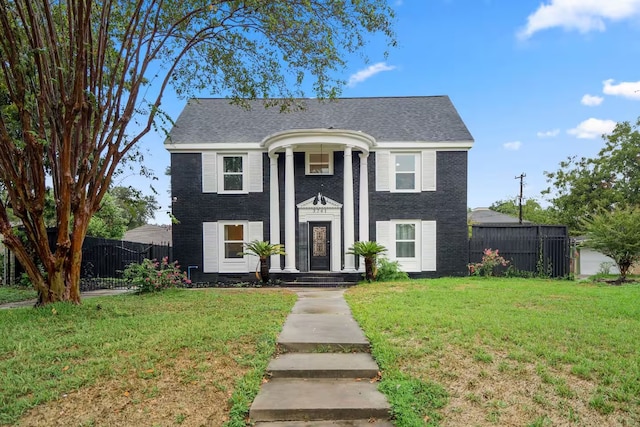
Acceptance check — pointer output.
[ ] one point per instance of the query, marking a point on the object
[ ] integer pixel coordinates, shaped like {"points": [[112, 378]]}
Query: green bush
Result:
{"points": [[389, 270], [154, 276]]}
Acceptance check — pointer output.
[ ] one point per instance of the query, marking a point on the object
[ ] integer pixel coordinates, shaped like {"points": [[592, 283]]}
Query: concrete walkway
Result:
{"points": [[324, 374]]}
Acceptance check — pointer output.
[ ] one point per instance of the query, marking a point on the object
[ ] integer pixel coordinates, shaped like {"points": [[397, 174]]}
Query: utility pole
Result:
{"points": [[521, 178]]}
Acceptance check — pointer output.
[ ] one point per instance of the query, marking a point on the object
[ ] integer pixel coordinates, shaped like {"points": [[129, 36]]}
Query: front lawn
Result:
{"points": [[182, 357], [16, 293], [505, 352]]}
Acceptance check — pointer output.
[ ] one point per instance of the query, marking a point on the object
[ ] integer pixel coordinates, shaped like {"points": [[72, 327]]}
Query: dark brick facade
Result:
{"points": [[447, 205]]}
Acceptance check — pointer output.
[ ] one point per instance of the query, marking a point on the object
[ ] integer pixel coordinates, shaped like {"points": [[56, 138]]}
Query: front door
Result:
{"points": [[320, 247]]}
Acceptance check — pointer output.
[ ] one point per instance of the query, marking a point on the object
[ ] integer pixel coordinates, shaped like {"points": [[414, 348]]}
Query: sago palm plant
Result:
{"points": [[263, 250], [369, 251]]}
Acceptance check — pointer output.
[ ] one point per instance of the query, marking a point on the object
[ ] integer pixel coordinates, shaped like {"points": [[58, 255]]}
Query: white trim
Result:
{"points": [[198, 147], [412, 145], [331, 212], [254, 172], [358, 140]]}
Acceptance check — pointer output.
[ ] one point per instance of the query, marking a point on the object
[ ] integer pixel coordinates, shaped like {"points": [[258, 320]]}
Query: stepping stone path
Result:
{"points": [[324, 375]]}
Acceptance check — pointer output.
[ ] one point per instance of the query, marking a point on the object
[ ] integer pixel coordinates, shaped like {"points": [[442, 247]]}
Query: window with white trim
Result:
{"points": [[233, 173], [406, 172], [406, 240], [233, 239], [319, 163]]}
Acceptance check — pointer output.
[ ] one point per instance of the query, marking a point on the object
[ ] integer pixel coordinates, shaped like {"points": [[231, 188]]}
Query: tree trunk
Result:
{"points": [[368, 268], [264, 270]]}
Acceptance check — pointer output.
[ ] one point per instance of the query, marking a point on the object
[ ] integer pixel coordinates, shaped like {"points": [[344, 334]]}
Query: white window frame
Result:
{"points": [[417, 170], [221, 173], [231, 265], [407, 263], [307, 162]]}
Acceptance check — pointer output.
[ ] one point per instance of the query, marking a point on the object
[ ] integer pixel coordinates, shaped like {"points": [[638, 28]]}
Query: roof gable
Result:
{"points": [[216, 120]]}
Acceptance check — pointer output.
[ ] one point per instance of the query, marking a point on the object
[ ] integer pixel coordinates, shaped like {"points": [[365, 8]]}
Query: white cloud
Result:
{"points": [[549, 133], [581, 15], [370, 71], [512, 146], [592, 128], [629, 90], [591, 100]]}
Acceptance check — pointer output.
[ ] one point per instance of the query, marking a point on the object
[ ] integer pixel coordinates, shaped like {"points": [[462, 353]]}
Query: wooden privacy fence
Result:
{"points": [[539, 249]]}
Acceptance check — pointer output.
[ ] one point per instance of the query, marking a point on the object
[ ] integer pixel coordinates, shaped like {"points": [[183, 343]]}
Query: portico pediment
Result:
{"points": [[329, 204]]}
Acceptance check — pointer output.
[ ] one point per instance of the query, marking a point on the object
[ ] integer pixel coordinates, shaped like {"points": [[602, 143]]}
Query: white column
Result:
{"points": [[347, 210], [363, 236], [289, 213], [274, 210]]}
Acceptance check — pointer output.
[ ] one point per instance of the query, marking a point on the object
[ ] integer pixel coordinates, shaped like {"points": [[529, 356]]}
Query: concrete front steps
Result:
{"points": [[315, 382]]}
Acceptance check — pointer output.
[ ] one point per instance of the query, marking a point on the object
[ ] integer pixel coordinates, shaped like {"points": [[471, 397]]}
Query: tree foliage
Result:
{"points": [[263, 250], [369, 251], [617, 235], [611, 180], [136, 208], [83, 80], [531, 211]]}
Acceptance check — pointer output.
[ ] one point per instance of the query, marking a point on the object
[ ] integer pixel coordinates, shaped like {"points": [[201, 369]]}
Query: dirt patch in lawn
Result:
{"points": [[508, 392], [189, 390]]}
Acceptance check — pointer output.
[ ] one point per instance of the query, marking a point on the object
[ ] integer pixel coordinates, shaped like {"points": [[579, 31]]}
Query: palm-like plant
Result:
{"points": [[369, 251], [263, 250]]}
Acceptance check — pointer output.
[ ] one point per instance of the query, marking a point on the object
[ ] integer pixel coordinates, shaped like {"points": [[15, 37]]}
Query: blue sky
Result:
{"points": [[535, 81]]}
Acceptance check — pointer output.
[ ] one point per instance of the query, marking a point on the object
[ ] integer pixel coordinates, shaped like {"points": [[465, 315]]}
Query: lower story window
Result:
{"points": [[405, 240], [233, 240]]}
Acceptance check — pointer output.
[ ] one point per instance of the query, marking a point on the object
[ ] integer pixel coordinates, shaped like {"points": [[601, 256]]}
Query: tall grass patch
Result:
{"points": [[509, 351]]}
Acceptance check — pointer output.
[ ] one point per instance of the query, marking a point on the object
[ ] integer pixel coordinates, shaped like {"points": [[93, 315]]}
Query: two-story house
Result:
{"points": [[391, 169]]}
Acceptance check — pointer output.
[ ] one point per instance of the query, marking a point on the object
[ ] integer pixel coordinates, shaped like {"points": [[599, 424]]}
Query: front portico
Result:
{"points": [[310, 210]]}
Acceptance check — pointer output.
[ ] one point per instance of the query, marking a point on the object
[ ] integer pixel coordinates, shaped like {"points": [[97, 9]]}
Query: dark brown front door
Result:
{"points": [[320, 247]]}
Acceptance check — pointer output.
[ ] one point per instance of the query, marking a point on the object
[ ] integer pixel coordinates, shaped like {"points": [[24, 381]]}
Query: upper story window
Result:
{"points": [[319, 164], [406, 172], [233, 171]]}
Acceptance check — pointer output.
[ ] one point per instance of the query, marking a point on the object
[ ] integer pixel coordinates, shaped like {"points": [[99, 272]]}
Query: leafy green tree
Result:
{"points": [[263, 250], [136, 207], [77, 77], [617, 235], [369, 251], [109, 221], [531, 211], [611, 180]]}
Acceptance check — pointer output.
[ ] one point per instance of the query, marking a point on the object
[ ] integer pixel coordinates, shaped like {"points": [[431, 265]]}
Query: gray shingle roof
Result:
{"points": [[423, 118], [487, 216]]}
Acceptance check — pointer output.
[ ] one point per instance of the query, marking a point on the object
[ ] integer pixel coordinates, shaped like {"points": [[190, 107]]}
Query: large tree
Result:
{"points": [[137, 208], [611, 180], [84, 80]]}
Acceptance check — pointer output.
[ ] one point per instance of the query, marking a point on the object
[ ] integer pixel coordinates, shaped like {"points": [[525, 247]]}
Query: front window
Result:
{"points": [[233, 240], [232, 172], [405, 172], [319, 163], [405, 240]]}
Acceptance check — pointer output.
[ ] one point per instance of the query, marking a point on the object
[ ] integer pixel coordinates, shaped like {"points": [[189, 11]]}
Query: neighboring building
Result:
{"points": [[150, 234], [486, 216], [392, 170]]}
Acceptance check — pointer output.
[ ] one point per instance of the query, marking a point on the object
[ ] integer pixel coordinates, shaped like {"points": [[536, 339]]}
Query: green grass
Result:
{"points": [[560, 332], [16, 293], [53, 350]]}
